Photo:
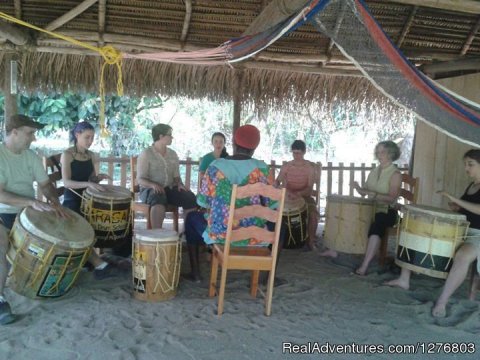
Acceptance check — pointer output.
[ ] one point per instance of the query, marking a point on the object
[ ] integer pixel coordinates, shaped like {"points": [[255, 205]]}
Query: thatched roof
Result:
{"points": [[298, 64]]}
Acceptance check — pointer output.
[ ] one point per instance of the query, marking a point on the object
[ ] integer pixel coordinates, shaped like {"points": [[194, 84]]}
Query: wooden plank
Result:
{"points": [[351, 179], [466, 6], [340, 179], [440, 170], [77, 10]]}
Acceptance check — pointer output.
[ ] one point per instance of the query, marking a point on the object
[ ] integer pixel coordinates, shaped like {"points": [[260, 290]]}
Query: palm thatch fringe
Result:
{"points": [[261, 88]]}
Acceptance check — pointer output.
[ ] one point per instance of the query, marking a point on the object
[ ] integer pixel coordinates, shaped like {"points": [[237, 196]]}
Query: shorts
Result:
{"points": [[383, 221], [172, 196], [473, 237]]}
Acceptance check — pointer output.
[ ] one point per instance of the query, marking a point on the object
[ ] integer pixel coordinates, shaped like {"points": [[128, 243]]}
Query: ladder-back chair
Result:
{"points": [[254, 258]]}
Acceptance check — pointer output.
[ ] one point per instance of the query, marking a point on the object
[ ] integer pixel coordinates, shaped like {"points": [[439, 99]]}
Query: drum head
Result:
{"points": [[74, 232], [430, 210], [349, 199], [111, 192], [156, 235]]}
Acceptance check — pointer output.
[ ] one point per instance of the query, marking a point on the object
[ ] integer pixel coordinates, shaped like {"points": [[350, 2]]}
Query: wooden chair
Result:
{"points": [[409, 194], [141, 207], [252, 258], [54, 171]]}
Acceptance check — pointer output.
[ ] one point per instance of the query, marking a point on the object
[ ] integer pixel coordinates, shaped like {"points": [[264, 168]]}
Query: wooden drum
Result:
{"points": [[428, 239], [347, 222], [156, 264], [109, 213], [47, 253], [294, 220]]}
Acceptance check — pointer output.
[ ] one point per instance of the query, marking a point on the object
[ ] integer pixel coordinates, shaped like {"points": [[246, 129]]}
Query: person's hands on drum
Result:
{"points": [[54, 207], [101, 177], [95, 186], [451, 204], [359, 189]]}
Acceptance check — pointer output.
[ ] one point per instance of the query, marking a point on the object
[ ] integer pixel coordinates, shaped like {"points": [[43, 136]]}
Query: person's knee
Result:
{"points": [[466, 254], [158, 207]]}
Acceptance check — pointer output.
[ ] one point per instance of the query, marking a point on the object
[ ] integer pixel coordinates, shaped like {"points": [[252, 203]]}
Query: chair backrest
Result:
{"points": [[54, 171], [134, 187], [257, 210], [409, 189]]}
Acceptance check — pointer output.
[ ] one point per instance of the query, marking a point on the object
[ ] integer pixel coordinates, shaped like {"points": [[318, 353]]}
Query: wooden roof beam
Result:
{"points": [[407, 26], [16, 35], [470, 37], [338, 23], [466, 6], [186, 21], [18, 8], [472, 64], [102, 10], [77, 10]]}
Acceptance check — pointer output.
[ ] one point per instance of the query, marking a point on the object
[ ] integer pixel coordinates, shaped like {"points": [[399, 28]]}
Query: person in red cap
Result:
{"points": [[214, 194], [19, 168]]}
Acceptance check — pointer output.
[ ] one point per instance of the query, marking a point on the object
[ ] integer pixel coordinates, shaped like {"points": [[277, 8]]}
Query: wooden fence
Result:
{"points": [[332, 179]]}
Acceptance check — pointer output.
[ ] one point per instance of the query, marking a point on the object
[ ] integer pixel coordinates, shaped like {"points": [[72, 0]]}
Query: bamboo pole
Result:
{"points": [[10, 99], [77, 10]]}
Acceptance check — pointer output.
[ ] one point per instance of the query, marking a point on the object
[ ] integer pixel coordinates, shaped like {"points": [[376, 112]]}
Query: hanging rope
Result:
{"points": [[110, 55]]}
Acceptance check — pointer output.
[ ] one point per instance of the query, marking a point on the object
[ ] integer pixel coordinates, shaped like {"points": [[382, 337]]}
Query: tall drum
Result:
{"points": [[347, 222], [294, 221], [47, 253], [109, 213], [157, 255], [429, 238]]}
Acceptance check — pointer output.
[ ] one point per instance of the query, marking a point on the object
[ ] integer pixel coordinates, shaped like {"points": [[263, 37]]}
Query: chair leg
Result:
{"points": [[175, 220], [213, 275], [474, 281], [268, 296], [254, 283], [221, 294], [382, 253]]}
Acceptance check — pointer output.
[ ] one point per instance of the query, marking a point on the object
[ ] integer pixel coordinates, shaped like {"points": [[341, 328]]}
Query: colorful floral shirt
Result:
{"points": [[215, 195]]}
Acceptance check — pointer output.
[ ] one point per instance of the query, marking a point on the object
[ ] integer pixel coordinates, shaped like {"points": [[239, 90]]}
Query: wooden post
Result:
{"points": [[237, 99], [10, 99]]}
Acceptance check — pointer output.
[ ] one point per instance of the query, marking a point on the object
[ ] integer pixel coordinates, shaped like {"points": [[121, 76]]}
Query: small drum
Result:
{"points": [[109, 214], [156, 264], [428, 238], [294, 221], [347, 222], [47, 253]]}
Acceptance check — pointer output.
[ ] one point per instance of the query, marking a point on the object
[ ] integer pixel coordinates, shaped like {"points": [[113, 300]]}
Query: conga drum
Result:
{"points": [[47, 252], [109, 213], [294, 222], [156, 264], [347, 222], [428, 239]]}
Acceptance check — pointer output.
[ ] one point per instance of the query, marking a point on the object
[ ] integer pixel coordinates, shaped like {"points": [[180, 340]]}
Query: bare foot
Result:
{"points": [[405, 285], [439, 311], [329, 252], [360, 272]]}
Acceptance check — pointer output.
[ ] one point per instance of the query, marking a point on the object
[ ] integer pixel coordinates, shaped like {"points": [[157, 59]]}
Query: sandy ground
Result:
{"points": [[321, 303]]}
